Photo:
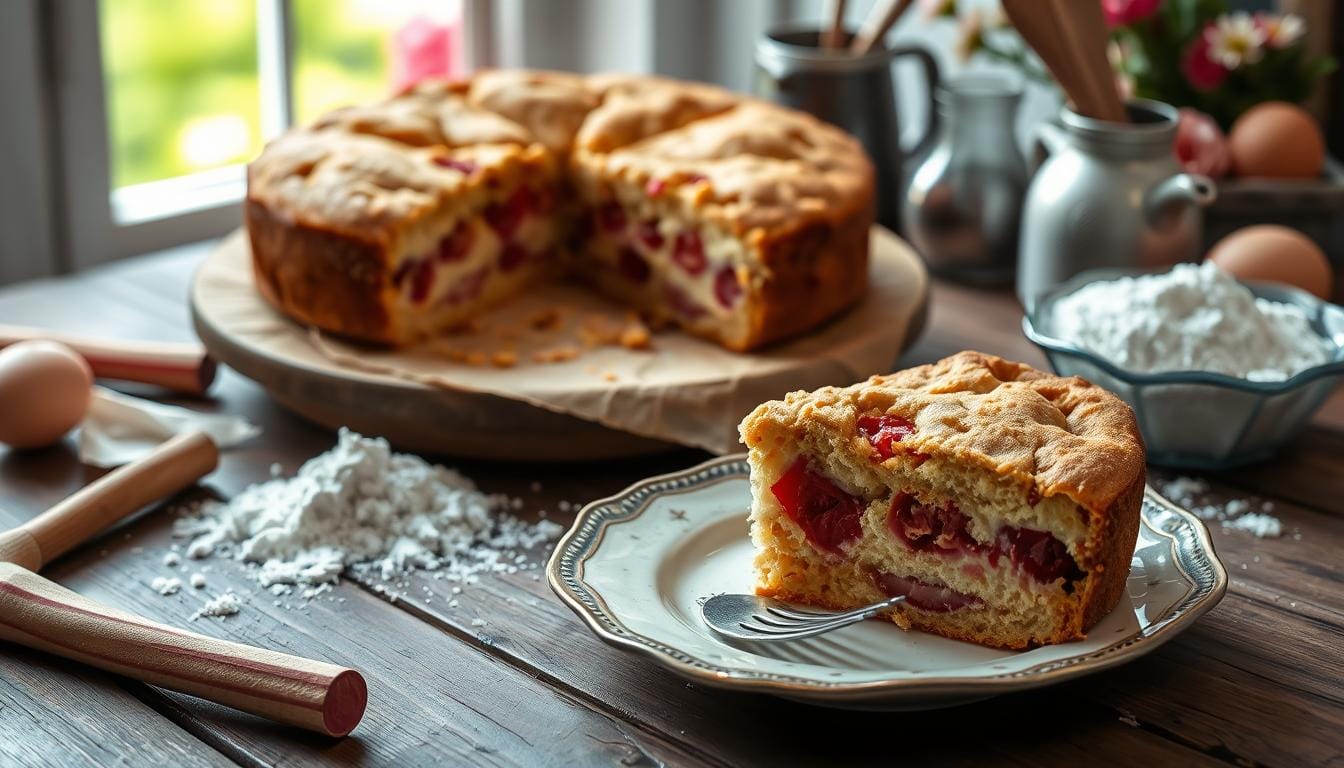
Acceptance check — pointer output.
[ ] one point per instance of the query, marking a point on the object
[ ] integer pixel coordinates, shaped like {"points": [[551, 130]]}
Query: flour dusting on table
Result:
{"points": [[364, 508], [1193, 318]]}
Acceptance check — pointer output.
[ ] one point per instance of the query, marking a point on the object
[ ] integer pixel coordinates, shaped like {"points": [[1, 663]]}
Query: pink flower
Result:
{"points": [[1199, 68], [1200, 145], [423, 48], [1124, 12]]}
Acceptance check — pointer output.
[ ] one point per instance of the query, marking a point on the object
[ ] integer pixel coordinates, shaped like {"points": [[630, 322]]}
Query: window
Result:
{"points": [[161, 104]]}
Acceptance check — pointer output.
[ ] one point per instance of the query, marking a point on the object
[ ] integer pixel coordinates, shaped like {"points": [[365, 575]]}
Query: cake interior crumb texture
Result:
{"points": [[1003, 502]]}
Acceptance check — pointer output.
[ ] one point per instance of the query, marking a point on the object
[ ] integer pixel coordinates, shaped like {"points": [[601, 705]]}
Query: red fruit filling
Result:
{"points": [[454, 245], [633, 266], [655, 187], [882, 431], [943, 529], [511, 257], [726, 287], [828, 516], [689, 252], [462, 166], [1038, 553], [1033, 496], [923, 595], [611, 217], [506, 217], [422, 280], [929, 527], [649, 235]]}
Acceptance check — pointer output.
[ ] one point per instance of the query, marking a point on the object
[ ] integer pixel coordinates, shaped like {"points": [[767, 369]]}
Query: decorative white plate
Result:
{"points": [[637, 565]]}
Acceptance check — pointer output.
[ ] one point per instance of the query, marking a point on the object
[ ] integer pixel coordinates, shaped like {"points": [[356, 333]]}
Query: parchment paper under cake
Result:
{"points": [[558, 349]]}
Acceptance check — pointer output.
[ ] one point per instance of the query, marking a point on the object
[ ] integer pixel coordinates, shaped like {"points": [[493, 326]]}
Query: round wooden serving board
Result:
{"points": [[609, 402]]}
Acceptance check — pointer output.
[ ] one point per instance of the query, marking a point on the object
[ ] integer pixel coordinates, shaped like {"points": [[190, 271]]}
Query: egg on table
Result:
{"points": [[1277, 140], [45, 390], [1275, 254]]}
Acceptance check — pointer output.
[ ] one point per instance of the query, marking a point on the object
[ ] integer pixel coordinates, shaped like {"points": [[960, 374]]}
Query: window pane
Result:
{"points": [[355, 51], [181, 83]]}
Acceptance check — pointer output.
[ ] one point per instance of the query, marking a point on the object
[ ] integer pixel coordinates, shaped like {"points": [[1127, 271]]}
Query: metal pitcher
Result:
{"points": [[856, 93], [964, 204], [1109, 195]]}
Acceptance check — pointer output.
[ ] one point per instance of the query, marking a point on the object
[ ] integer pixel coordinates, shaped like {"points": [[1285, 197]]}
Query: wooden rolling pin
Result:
{"points": [[180, 367], [40, 614]]}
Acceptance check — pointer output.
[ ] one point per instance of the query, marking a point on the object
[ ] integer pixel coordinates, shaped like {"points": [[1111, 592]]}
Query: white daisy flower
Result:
{"points": [[1235, 39], [1281, 31]]}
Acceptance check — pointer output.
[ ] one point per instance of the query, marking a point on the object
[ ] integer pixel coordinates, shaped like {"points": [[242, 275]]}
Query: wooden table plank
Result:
{"points": [[54, 713], [1233, 689], [478, 710]]}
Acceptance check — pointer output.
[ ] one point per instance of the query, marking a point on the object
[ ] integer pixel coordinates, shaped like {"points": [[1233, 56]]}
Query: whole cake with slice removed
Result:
{"points": [[738, 220], [1002, 501]]}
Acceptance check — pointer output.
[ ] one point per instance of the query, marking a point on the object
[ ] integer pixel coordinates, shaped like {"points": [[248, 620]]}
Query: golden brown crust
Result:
{"points": [[798, 192], [1111, 542], [319, 277], [814, 275], [1055, 434]]}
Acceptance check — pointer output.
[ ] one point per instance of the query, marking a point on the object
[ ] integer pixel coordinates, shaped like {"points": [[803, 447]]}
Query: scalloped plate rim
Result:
{"points": [[583, 540]]}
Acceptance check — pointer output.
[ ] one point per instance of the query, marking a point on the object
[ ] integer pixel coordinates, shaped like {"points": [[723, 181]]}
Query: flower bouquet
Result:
{"points": [[1196, 53]]}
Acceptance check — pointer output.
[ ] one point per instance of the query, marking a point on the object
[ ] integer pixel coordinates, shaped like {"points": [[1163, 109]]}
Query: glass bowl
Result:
{"points": [[1196, 419]]}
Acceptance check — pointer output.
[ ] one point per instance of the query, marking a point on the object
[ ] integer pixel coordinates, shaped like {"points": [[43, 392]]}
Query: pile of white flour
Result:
{"points": [[1193, 318], [363, 507]]}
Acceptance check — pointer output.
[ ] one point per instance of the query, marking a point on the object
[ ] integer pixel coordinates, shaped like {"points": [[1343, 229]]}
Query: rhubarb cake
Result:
{"points": [[1001, 501], [738, 220]]}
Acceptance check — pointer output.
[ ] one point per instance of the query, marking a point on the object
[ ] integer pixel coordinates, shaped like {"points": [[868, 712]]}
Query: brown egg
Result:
{"points": [[1277, 140], [1275, 254], [44, 392]]}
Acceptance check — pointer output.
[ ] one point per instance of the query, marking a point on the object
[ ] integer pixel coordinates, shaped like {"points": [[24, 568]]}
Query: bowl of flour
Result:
{"points": [[1219, 373]]}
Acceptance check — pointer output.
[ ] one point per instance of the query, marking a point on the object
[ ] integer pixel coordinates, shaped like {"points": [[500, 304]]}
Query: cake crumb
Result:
{"points": [[636, 336], [556, 354], [172, 560], [198, 580], [504, 359], [478, 622]]}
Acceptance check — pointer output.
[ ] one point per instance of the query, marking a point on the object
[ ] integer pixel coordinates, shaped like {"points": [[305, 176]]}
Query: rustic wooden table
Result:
{"points": [[1260, 680]]}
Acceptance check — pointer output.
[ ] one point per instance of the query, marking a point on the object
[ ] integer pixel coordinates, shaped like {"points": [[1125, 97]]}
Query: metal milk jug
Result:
{"points": [[856, 93], [1109, 195]]}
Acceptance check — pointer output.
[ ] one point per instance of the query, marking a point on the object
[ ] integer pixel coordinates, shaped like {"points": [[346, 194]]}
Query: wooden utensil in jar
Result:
{"points": [[1070, 37], [881, 18], [40, 614], [180, 367]]}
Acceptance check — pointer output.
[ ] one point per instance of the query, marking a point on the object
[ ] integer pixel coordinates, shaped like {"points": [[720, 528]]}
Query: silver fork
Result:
{"points": [[763, 619]]}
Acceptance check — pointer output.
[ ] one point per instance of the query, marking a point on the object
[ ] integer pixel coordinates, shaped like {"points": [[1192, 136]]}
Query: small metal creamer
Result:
{"points": [[856, 93], [1109, 195]]}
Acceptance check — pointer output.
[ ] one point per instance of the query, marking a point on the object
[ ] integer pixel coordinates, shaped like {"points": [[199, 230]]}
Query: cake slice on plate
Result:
{"points": [[1002, 501]]}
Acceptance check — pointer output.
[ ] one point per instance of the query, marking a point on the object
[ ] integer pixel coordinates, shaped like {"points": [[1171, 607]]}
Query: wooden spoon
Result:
{"points": [[40, 614], [1070, 37], [880, 19], [834, 32]]}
